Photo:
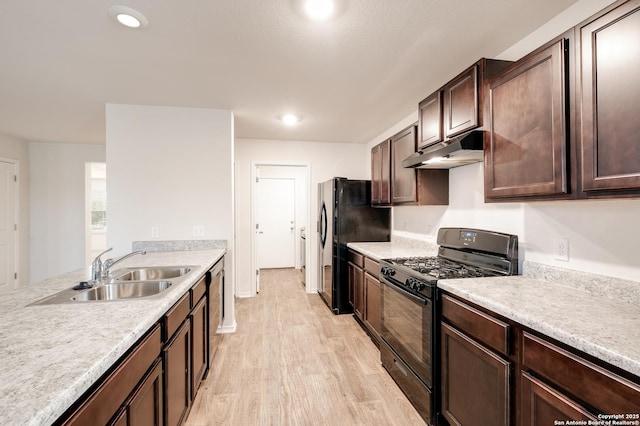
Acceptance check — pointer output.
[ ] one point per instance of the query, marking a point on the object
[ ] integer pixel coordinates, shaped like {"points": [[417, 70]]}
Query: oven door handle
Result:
{"points": [[415, 298]]}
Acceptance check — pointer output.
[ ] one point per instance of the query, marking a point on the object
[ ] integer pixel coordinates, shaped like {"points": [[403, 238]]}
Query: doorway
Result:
{"points": [[95, 210], [276, 222], [8, 225], [280, 215]]}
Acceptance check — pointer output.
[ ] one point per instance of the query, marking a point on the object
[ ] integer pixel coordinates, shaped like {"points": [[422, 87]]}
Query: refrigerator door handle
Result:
{"points": [[323, 217]]}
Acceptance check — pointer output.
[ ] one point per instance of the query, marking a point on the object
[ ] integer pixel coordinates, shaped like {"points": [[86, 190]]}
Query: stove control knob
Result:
{"points": [[388, 272], [415, 284]]}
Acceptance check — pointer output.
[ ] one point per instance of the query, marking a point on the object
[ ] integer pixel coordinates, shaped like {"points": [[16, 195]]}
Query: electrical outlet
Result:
{"points": [[561, 249], [155, 232], [198, 231]]}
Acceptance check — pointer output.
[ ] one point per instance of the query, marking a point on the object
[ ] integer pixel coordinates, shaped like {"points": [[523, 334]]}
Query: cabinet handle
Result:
{"points": [[402, 370]]}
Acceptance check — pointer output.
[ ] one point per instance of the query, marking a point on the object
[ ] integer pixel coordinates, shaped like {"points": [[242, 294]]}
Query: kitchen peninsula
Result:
{"points": [[52, 354]]}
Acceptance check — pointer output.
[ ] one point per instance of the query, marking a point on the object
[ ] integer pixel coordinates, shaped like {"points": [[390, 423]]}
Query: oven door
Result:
{"points": [[407, 327]]}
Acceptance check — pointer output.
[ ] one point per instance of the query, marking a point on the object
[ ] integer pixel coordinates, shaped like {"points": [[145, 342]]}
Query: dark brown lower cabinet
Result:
{"points": [[106, 402], [356, 283], [372, 302], [475, 382], [145, 406], [199, 347], [543, 405], [177, 364], [372, 292], [494, 371]]}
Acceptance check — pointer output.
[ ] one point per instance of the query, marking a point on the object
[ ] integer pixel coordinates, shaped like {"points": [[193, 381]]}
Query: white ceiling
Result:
{"points": [[350, 78]]}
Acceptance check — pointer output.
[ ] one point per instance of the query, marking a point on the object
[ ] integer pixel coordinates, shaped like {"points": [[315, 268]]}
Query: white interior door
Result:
{"points": [[275, 218], [7, 226]]}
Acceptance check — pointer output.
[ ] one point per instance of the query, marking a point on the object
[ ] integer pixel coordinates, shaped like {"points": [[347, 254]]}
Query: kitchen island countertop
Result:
{"points": [[51, 354]]}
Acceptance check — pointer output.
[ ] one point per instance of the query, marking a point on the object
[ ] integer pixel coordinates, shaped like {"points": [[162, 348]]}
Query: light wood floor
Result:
{"points": [[292, 362]]}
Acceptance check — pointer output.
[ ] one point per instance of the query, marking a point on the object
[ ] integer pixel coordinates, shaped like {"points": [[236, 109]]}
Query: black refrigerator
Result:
{"points": [[345, 215]]}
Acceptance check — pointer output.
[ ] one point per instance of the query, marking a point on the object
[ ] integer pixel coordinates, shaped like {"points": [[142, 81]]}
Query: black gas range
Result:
{"points": [[409, 324]]}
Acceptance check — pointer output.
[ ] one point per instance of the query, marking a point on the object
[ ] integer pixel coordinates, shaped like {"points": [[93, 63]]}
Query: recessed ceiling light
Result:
{"points": [[290, 119], [128, 17], [319, 10]]}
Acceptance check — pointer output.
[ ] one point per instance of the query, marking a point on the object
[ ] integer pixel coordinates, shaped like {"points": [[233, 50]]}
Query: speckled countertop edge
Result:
{"points": [[51, 354], [596, 314]]}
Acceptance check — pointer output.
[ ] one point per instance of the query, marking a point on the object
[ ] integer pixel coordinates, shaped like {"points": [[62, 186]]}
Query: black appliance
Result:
{"points": [[345, 216], [409, 321]]}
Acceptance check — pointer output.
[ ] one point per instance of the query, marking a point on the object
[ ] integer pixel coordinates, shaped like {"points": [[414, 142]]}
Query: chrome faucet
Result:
{"points": [[97, 266], [100, 269], [106, 266]]}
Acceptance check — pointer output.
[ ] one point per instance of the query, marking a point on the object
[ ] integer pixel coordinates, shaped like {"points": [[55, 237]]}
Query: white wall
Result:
{"points": [[18, 150], [57, 205], [171, 168], [602, 234], [327, 160]]}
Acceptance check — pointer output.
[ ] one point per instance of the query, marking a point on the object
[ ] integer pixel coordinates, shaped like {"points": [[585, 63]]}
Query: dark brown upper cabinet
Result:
{"points": [[526, 148], [403, 180], [392, 184], [563, 120], [609, 100], [461, 111], [430, 112], [456, 107], [381, 174]]}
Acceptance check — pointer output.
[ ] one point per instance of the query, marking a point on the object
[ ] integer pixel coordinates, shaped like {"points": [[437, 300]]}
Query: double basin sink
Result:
{"points": [[123, 284]]}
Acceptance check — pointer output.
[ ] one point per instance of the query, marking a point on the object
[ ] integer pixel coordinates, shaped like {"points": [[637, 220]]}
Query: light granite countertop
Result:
{"points": [[595, 314], [51, 354]]}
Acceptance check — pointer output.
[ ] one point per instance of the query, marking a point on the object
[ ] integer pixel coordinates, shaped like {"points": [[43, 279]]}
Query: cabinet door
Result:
{"points": [[145, 407], [352, 283], [177, 359], [430, 120], [358, 292], [376, 174], [461, 103], [381, 173], [214, 299], [542, 405], [385, 172], [609, 79], [404, 180], [475, 382], [527, 150], [372, 302], [199, 335]]}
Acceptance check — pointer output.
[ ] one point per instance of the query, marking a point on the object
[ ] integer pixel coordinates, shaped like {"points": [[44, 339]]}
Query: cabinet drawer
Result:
{"points": [[197, 291], [490, 331], [177, 315], [107, 399], [590, 383], [356, 258], [372, 267]]}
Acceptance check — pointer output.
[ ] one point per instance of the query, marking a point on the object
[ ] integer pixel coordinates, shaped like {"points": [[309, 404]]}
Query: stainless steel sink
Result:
{"points": [[124, 290], [149, 273]]}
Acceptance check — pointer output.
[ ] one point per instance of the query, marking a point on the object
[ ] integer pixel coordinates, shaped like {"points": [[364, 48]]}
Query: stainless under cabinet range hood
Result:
{"points": [[458, 151]]}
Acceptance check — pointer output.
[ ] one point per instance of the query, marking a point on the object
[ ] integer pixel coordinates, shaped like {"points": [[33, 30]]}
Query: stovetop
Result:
{"points": [[439, 268], [462, 253]]}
